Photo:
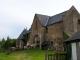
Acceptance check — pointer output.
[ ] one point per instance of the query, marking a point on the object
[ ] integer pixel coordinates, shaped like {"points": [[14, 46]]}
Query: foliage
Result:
{"points": [[2, 51], [26, 38], [8, 43], [69, 50], [66, 36], [67, 47], [3, 43]]}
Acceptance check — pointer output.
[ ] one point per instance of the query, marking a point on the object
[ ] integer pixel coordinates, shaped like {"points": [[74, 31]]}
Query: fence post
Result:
{"points": [[46, 57], [66, 57], [56, 55]]}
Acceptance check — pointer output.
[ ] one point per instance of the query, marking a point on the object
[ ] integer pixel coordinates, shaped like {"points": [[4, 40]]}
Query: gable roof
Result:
{"points": [[47, 20], [73, 8], [21, 35], [74, 37], [43, 19]]}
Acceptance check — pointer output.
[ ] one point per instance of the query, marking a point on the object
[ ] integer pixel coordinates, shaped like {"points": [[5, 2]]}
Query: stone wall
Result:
{"points": [[70, 22], [19, 44], [37, 29], [55, 35]]}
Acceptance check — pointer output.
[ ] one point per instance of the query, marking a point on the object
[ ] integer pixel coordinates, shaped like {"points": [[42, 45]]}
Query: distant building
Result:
{"points": [[22, 39]]}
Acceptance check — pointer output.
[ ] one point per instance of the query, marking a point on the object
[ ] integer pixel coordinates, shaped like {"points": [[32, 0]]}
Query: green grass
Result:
{"points": [[31, 54]]}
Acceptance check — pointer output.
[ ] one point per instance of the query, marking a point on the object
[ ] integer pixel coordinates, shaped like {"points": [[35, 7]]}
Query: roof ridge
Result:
{"points": [[56, 18], [60, 13], [42, 15], [21, 34], [47, 21]]}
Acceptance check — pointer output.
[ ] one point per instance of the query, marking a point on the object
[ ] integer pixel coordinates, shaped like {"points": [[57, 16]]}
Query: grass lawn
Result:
{"points": [[32, 54]]}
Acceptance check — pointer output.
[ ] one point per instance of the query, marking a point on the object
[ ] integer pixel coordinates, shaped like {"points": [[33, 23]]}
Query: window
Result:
{"points": [[78, 21]]}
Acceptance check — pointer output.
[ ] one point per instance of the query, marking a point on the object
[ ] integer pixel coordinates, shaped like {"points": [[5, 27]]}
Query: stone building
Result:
{"points": [[51, 28], [20, 40]]}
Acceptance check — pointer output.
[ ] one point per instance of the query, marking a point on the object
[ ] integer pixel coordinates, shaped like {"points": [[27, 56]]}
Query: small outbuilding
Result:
{"points": [[22, 39], [73, 47]]}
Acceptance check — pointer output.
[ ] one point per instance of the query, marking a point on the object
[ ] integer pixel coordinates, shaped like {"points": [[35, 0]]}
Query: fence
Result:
{"points": [[56, 56]]}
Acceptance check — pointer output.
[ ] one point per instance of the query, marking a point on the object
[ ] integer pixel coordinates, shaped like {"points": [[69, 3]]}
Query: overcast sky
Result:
{"points": [[15, 15]]}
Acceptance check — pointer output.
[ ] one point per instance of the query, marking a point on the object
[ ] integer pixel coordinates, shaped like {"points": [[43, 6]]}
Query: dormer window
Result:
{"points": [[78, 21]]}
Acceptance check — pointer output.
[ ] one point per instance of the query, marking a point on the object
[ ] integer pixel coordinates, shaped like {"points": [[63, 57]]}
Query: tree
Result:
{"points": [[3, 43], [8, 43]]}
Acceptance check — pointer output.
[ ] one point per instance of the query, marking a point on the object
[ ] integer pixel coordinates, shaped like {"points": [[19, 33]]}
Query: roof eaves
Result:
{"points": [[74, 37]]}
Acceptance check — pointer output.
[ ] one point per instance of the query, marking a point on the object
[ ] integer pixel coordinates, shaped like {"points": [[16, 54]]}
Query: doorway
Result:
{"points": [[37, 40]]}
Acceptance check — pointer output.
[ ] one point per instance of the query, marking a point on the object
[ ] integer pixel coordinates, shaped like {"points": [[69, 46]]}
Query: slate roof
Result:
{"points": [[74, 37], [56, 18], [47, 20], [43, 19], [21, 35], [29, 31]]}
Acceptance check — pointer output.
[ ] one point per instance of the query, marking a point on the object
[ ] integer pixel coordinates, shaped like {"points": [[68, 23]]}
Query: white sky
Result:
{"points": [[15, 15]]}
